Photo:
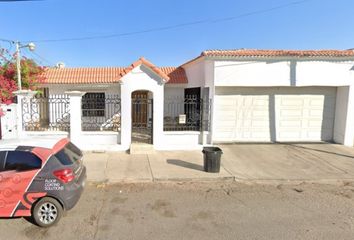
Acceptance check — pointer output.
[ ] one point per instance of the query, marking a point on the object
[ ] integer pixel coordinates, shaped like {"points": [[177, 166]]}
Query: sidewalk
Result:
{"points": [[251, 163], [162, 166]]}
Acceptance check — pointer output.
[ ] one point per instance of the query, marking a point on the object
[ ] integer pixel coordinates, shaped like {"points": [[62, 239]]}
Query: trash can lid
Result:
{"points": [[211, 149]]}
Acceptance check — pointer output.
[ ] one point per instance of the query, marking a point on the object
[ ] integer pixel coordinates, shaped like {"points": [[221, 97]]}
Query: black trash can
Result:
{"points": [[212, 158]]}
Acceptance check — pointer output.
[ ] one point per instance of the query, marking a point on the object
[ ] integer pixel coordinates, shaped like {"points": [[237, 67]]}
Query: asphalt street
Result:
{"points": [[210, 210]]}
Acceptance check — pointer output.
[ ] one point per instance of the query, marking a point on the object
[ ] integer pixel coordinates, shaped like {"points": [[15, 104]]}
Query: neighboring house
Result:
{"points": [[220, 96]]}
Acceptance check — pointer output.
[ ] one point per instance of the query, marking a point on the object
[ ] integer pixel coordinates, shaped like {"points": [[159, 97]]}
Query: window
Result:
{"points": [[2, 160], [69, 154], [22, 161], [74, 149], [93, 105]]}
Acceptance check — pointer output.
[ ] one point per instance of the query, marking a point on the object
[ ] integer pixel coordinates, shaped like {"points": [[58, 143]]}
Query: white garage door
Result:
{"points": [[274, 114]]}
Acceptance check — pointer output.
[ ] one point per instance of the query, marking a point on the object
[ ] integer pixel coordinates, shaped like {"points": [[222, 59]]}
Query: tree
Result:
{"points": [[32, 76]]}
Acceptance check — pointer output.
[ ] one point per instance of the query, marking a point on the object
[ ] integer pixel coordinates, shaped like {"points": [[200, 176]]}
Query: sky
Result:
{"points": [[202, 25]]}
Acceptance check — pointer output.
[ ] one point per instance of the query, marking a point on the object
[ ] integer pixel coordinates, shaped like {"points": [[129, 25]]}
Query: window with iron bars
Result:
{"points": [[93, 105]]}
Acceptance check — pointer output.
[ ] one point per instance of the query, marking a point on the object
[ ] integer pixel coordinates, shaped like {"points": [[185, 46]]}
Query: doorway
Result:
{"points": [[142, 117]]}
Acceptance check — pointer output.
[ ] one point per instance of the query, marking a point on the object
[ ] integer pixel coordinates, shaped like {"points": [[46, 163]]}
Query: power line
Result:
{"points": [[39, 58], [7, 40], [42, 58], [20, 0], [158, 29], [33, 54]]}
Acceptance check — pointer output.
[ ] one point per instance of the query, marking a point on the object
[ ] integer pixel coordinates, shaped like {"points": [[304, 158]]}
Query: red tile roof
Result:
{"points": [[254, 53], [177, 75], [278, 53], [110, 74], [83, 75]]}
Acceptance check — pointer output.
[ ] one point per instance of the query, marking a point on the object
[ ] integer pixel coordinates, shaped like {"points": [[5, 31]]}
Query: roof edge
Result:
{"points": [[266, 53], [143, 61]]}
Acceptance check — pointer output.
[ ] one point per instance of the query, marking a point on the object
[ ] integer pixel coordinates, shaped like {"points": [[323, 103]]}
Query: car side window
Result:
{"points": [[2, 160], [22, 161]]}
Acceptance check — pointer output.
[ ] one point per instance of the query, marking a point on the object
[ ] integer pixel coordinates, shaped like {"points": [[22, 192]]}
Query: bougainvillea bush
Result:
{"points": [[31, 76]]}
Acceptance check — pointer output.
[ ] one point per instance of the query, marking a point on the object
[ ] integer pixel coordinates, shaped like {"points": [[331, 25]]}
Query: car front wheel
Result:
{"points": [[47, 212]]}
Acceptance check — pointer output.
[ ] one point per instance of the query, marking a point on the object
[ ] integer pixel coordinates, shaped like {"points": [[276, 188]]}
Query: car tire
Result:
{"points": [[47, 212]]}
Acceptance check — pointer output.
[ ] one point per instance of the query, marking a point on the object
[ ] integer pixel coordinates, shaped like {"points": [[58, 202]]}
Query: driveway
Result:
{"points": [[292, 161]]}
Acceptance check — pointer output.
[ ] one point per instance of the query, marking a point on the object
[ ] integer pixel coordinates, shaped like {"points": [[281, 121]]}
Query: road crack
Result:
{"points": [[100, 214]]}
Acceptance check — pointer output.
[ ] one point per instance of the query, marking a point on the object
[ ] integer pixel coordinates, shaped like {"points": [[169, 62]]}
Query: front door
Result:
{"points": [[140, 113], [141, 117]]}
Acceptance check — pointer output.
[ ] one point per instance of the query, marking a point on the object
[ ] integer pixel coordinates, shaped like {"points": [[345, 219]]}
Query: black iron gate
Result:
{"points": [[142, 118]]}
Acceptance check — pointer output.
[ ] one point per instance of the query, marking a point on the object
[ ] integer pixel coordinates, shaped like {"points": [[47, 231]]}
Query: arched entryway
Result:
{"points": [[142, 116]]}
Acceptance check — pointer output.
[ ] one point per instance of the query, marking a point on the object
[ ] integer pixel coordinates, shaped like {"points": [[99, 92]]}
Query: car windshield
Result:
{"points": [[69, 154]]}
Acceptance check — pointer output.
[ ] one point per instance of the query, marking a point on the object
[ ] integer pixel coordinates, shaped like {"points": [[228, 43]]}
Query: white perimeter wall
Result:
{"points": [[319, 73], [344, 116], [273, 72], [252, 73]]}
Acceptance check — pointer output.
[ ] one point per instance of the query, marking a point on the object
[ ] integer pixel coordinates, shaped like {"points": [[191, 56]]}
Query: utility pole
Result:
{"points": [[18, 66], [31, 47]]}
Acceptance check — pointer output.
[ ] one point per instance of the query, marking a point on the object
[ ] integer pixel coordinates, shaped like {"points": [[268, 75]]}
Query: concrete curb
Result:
{"points": [[129, 181], [203, 179], [294, 181], [229, 179]]}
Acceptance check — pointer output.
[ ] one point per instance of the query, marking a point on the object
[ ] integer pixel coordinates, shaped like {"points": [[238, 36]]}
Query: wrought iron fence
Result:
{"points": [[101, 113], [49, 113], [186, 114]]}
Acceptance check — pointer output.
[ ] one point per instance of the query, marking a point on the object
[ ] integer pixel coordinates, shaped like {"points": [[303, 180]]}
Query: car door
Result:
{"points": [[18, 171]]}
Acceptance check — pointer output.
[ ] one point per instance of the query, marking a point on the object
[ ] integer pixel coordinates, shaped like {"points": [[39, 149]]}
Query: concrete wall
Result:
{"points": [[99, 140], [195, 74], [176, 91], [252, 73], [283, 72], [43, 135], [319, 73], [209, 83], [343, 125], [183, 140]]}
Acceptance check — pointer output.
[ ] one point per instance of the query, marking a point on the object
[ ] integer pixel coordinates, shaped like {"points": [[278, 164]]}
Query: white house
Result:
{"points": [[220, 96]]}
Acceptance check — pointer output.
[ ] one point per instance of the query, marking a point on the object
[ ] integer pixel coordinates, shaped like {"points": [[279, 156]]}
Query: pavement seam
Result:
{"points": [[330, 164], [152, 175], [105, 171], [99, 216], [229, 172]]}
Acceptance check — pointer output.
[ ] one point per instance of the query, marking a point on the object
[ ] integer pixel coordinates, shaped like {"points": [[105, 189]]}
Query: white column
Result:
{"points": [[126, 116], [158, 102], [22, 95], [75, 115], [344, 117]]}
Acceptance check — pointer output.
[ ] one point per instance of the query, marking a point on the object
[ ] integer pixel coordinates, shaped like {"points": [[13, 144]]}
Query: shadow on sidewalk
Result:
{"points": [[185, 164]]}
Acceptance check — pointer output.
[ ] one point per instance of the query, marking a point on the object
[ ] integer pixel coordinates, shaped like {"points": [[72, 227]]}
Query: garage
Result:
{"points": [[263, 114]]}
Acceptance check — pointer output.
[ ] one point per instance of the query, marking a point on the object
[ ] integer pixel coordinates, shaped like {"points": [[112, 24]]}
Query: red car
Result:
{"points": [[40, 181]]}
